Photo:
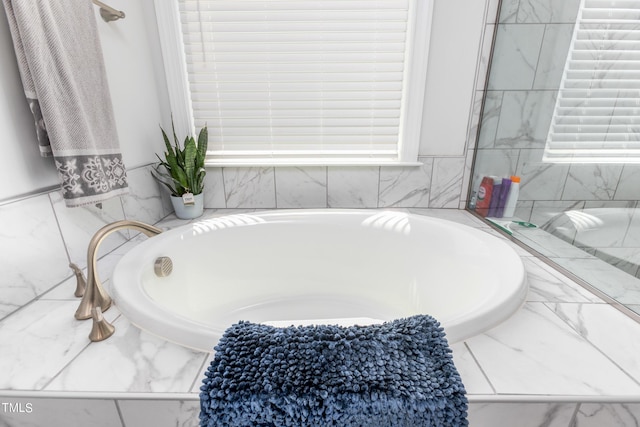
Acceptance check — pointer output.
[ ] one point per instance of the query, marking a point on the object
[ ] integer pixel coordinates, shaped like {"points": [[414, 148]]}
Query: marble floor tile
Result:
{"points": [[197, 383], [455, 215], [614, 333], [625, 259], [52, 412], [43, 326], [613, 282], [521, 414], [546, 211], [549, 245], [133, 361], [63, 291], [160, 413], [547, 285], [472, 377], [536, 353], [609, 415], [33, 255]]}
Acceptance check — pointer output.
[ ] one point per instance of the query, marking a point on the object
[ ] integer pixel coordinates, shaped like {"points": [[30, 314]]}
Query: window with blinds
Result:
{"points": [[306, 81], [597, 112]]}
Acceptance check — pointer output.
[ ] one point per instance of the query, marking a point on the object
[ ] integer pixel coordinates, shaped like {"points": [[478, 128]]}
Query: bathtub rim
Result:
{"points": [[456, 328]]}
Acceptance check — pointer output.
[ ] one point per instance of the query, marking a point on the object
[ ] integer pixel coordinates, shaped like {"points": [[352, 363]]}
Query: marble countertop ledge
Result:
{"points": [[558, 348]]}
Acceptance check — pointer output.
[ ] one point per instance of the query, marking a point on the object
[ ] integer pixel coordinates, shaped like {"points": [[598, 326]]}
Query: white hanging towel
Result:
{"points": [[63, 74]]}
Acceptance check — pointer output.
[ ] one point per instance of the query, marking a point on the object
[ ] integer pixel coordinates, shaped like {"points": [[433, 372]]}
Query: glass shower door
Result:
{"points": [[562, 112]]}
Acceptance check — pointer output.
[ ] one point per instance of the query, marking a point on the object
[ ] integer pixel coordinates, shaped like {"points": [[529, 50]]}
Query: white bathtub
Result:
{"points": [[318, 266]]}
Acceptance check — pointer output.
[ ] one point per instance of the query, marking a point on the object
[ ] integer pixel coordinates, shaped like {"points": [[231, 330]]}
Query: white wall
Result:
{"points": [[456, 37], [137, 83], [23, 170], [133, 61]]}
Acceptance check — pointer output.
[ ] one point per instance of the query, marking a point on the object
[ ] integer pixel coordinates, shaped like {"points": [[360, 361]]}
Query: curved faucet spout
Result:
{"points": [[95, 295]]}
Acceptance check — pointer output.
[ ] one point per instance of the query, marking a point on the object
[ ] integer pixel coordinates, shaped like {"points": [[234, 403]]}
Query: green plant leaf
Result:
{"points": [[167, 143], [164, 179], [175, 137], [203, 141], [190, 152]]}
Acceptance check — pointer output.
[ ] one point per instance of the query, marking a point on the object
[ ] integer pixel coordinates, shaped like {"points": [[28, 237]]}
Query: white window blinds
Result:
{"points": [[597, 112], [303, 81]]}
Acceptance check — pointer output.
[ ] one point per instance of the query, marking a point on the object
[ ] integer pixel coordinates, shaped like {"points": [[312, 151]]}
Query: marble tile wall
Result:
{"points": [[41, 236], [531, 45], [437, 183]]}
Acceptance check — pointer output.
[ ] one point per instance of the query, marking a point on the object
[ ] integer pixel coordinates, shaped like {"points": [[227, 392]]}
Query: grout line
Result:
{"points": [[119, 413], [326, 187], [224, 189], [572, 422], [29, 195], [55, 217], [66, 365], [486, 377], [378, 187], [199, 375], [275, 188]]}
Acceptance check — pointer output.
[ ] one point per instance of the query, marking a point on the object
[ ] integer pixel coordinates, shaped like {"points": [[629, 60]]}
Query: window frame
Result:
{"points": [[414, 84]]}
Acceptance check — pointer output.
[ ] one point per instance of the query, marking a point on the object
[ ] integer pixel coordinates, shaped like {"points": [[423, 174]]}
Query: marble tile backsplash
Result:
{"points": [[41, 236], [436, 183]]}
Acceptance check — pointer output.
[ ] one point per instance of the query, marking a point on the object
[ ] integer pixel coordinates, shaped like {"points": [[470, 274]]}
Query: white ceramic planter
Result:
{"points": [[188, 211]]}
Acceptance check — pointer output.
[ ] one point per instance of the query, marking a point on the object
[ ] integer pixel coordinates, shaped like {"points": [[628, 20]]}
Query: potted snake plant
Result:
{"points": [[182, 172]]}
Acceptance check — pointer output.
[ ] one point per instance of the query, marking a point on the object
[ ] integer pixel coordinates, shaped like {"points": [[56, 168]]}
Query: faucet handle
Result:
{"points": [[101, 329], [81, 281]]}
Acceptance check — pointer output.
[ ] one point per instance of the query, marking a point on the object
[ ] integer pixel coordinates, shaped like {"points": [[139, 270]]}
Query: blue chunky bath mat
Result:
{"points": [[397, 374]]}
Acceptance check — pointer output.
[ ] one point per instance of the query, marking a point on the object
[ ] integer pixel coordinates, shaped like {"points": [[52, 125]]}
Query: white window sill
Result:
{"points": [[305, 162]]}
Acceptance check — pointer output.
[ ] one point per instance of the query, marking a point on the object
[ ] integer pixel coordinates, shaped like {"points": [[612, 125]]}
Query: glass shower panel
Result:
{"points": [[562, 112]]}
